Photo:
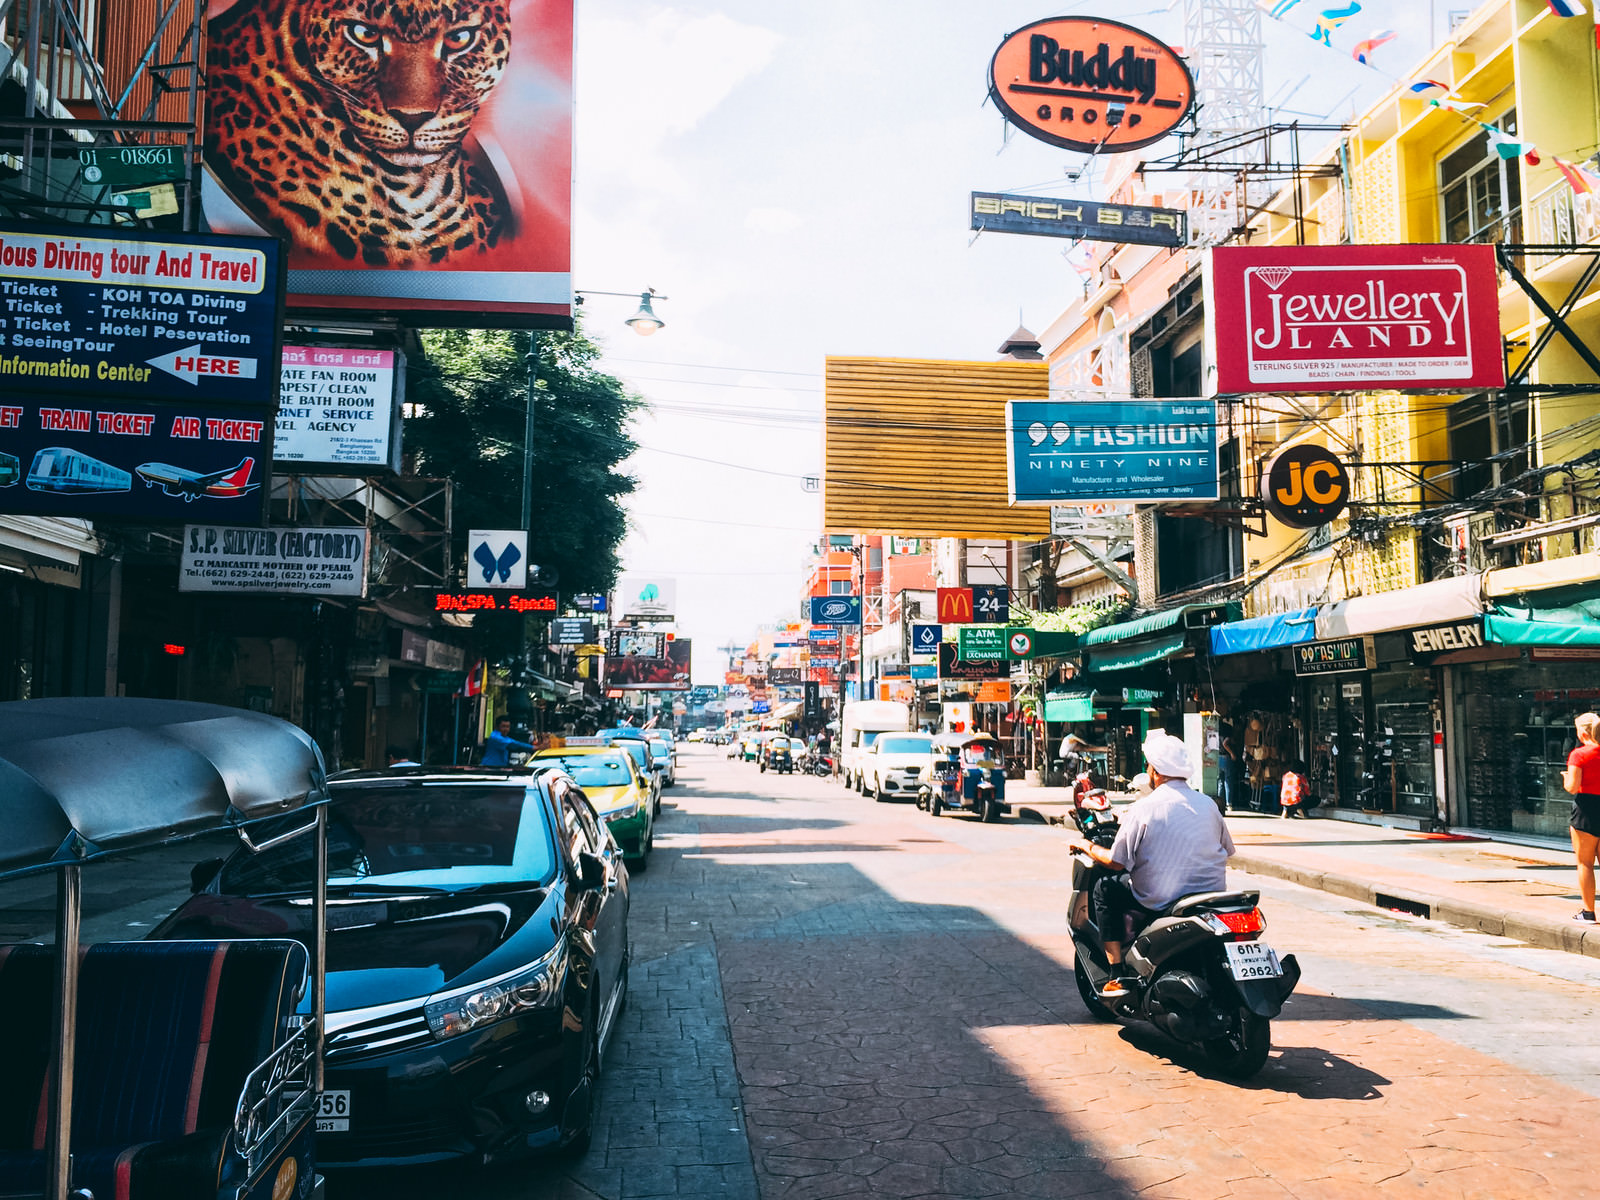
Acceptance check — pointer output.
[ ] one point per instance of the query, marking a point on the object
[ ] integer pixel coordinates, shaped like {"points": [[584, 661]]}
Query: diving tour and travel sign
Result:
{"points": [[302, 560], [115, 458], [1144, 451], [1091, 85], [1349, 318], [139, 315], [337, 410], [996, 212]]}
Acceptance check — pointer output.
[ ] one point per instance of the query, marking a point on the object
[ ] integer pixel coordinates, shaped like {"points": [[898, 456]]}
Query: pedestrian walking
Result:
{"points": [[1582, 779], [1230, 770], [1292, 790]]}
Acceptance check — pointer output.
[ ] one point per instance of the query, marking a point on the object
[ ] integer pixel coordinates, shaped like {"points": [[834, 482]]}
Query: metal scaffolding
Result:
{"points": [[1225, 52]]}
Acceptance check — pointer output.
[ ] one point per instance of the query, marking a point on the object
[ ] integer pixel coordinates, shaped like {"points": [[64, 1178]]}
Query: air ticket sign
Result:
{"points": [[139, 316]]}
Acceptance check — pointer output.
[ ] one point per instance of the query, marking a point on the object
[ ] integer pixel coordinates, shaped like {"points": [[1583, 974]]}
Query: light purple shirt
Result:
{"points": [[1174, 843]]}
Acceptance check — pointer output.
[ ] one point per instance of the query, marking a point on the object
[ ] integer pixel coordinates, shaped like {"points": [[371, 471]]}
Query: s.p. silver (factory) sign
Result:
{"points": [[996, 212], [302, 559]]}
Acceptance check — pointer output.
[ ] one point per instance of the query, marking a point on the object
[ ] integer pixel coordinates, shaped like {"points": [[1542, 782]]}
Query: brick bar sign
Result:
{"points": [[1347, 318]]}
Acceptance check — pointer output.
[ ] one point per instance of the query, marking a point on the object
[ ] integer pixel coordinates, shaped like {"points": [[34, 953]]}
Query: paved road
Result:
{"points": [[837, 998]]}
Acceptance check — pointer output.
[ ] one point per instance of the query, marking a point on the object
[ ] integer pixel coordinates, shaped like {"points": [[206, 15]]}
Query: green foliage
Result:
{"points": [[1080, 618], [470, 391]]}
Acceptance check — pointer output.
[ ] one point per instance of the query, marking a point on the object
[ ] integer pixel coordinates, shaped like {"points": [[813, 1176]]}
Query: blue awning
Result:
{"points": [[1265, 633]]}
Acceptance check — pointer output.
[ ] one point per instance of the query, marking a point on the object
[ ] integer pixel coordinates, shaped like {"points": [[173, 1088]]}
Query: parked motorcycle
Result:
{"points": [[1203, 975], [819, 764]]}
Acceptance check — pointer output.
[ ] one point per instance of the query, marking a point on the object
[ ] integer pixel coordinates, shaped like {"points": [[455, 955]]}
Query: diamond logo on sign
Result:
{"points": [[497, 558], [925, 639]]}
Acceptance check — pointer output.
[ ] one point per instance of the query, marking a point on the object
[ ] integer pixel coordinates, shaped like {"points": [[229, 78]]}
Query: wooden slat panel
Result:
{"points": [[916, 448]]}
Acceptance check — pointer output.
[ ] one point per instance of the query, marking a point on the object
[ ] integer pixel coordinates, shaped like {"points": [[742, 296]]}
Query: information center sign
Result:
{"points": [[1145, 451], [139, 317], [338, 409], [307, 560]]}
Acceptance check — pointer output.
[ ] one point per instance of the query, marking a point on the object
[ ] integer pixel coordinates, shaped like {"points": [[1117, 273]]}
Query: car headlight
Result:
{"points": [[625, 808], [523, 990]]}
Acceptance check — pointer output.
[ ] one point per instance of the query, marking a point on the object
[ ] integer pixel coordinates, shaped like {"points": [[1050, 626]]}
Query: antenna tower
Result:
{"points": [[1225, 52]]}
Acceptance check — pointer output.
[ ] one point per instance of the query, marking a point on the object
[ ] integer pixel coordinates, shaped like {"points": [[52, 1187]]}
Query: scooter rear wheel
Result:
{"points": [[1095, 1005], [1241, 1055]]}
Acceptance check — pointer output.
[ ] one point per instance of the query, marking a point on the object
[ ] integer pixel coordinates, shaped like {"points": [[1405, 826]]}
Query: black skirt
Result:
{"points": [[1586, 814]]}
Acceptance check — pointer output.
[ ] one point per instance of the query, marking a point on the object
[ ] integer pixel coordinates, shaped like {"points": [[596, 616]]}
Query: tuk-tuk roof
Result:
{"points": [[85, 777], [954, 741]]}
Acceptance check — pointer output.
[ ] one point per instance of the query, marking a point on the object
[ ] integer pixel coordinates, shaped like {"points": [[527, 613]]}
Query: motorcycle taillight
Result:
{"points": [[1237, 922]]}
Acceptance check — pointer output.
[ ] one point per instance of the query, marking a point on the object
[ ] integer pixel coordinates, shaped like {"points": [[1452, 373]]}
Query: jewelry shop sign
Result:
{"points": [[303, 560]]}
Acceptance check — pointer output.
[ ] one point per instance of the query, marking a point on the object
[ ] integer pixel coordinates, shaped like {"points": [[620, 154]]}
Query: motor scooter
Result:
{"points": [[1202, 974]]}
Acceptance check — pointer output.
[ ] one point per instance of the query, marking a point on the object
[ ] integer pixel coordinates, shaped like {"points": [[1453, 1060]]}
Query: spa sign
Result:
{"points": [[1090, 85]]}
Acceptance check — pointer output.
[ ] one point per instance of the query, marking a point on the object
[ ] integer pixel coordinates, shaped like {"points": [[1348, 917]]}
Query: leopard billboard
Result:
{"points": [[415, 156]]}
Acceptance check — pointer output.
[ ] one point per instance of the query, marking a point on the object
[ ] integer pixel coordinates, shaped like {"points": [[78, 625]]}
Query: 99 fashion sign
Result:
{"points": [[1349, 318]]}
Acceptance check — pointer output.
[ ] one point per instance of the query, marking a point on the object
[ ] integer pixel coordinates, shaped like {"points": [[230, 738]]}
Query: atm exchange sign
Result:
{"points": [[1346, 318]]}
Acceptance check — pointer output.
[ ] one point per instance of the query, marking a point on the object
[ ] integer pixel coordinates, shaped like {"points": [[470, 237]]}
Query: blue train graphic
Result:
{"points": [[57, 469], [10, 470]]}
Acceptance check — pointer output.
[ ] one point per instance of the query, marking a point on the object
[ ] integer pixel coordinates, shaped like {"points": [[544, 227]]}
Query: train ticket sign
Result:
{"points": [[141, 316]]}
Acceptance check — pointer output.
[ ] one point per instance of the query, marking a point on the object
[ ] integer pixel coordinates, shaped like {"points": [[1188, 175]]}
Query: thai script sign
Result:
{"points": [[1345, 318], [1070, 452], [307, 560], [337, 409], [139, 316]]}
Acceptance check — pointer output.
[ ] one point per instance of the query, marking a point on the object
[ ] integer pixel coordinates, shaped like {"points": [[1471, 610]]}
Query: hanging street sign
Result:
{"points": [[300, 560], [991, 604], [953, 666], [836, 610], [981, 642], [1305, 486], [925, 639], [1090, 220], [1090, 85], [1123, 451], [339, 410], [498, 558]]}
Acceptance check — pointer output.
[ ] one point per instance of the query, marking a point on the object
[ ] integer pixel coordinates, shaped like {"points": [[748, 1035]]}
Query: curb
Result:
{"points": [[1570, 937]]}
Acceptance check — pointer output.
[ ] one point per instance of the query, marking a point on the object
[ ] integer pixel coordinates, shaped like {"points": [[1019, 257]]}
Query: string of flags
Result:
{"points": [[1582, 179]]}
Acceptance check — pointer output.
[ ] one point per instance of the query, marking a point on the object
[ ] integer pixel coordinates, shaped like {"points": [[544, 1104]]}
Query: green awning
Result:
{"points": [[1572, 625], [1154, 623], [1134, 654], [1074, 705]]}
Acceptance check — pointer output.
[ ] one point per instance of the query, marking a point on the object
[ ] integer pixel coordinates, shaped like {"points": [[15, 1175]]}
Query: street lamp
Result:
{"points": [[645, 321]]}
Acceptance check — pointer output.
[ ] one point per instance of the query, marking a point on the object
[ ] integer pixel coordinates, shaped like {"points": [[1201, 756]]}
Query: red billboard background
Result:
{"points": [[425, 170], [1349, 318], [669, 674]]}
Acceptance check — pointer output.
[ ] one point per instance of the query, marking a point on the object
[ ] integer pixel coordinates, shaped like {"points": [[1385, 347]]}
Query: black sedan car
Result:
{"points": [[477, 959]]}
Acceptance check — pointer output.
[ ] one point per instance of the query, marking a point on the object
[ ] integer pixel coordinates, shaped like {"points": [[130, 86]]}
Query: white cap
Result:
{"points": [[1168, 755]]}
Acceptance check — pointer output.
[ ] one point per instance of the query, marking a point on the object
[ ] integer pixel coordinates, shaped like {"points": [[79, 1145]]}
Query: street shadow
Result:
{"points": [[1304, 1071], [1389, 1010]]}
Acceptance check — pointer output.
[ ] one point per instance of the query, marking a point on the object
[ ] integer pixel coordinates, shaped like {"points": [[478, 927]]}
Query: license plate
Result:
{"points": [[333, 1112], [1252, 960]]}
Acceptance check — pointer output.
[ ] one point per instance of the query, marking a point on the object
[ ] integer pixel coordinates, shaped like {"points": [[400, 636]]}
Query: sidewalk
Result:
{"points": [[1501, 888]]}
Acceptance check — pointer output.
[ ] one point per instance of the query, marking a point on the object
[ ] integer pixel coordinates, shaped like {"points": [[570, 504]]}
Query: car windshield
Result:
{"points": [[596, 770], [444, 836], [900, 744], [637, 750], [868, 736]]}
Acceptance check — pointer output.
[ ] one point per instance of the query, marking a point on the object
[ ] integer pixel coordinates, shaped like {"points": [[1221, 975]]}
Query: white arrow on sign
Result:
{"points": [[190, 363]]}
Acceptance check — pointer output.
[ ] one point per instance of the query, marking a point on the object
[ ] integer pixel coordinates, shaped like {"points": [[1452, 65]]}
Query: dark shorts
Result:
{"points": [[1113, 904], [1586, 815]]}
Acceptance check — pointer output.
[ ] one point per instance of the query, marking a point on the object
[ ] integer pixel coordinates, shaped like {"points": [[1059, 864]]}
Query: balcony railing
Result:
{"points": [[1558, 216]]}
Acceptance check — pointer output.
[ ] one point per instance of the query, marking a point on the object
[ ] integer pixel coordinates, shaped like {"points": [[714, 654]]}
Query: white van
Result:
{"points": [[863, 721]]}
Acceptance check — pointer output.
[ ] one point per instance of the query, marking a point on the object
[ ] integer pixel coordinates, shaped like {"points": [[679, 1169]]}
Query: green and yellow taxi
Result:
{"points": [[612, 782]]}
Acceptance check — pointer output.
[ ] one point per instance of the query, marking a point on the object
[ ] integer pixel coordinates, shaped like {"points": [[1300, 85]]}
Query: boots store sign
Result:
{"points": [[1347, 318]]}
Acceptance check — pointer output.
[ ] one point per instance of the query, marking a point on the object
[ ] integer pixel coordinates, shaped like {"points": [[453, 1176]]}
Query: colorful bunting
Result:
{"points": [[1365, 47], [1279, 8], [1330, 19], [1566, 8], [1580, 179], [1464, 107], [1423, 86]]}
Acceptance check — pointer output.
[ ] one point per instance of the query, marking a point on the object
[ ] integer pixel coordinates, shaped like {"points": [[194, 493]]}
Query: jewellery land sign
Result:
{"points": [[1090, 85], [338, 410], [1335, 657], [997, 212], [118, 459], [1348, 318], [1305, 486], [1130, 451], [306, 560], [1428, 643], [130, 317]]}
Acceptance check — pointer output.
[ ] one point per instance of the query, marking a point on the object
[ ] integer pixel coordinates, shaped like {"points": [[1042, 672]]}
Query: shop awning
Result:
{"points": [[1575, 569], [1156, 622], [1264, 633], [1134, 654], [1444, 600], [1575, 624], [1074, 704]]}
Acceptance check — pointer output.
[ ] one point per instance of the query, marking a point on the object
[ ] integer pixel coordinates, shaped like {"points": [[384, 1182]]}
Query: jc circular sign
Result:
{"points": [[1305, 486], [1090, 85]]}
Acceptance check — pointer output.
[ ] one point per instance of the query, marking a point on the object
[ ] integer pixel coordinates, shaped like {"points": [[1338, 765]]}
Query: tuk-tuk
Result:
{"points": [[969, 776], [159, 1070], [777, 754]]}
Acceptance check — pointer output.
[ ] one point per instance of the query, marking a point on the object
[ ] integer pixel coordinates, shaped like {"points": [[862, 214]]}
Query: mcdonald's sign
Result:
{"points": [[955, 606]]}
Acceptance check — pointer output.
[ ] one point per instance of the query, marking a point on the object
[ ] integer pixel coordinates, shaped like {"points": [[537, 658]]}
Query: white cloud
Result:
{"points": [[771, 220]]}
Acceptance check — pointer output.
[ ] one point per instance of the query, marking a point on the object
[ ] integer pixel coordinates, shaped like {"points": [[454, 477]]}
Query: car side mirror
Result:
{"points": [[203, 873], [591, 872]]}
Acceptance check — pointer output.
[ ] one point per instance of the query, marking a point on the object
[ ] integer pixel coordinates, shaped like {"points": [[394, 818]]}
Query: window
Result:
{"points": [[578, 822], [1481, 192], [839, 587], [1488, 441], [1193, 552]]}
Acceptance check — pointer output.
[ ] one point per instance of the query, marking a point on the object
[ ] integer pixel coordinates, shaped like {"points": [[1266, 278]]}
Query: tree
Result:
{"points": [[468, 396]]}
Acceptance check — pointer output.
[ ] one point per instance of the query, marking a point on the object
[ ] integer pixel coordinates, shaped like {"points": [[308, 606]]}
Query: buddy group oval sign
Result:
{"points": [[1090, 85]]}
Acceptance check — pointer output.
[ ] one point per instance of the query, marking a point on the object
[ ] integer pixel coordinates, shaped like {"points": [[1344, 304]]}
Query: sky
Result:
{"points": [[794, 180]]}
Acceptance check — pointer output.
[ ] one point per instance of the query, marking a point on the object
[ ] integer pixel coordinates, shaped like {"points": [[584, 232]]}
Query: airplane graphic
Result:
{"points": [[191, 485]]}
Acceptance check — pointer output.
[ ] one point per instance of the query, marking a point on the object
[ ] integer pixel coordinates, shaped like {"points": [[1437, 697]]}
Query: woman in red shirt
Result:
{"points": [[1582, 779]]}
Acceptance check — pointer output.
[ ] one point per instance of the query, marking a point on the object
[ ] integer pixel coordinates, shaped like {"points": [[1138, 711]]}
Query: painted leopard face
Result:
{"points": [[410, 75]]}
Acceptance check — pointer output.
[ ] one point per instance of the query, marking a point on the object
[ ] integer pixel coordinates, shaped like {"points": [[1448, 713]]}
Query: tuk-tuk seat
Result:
{"points": [[166, 1034]]}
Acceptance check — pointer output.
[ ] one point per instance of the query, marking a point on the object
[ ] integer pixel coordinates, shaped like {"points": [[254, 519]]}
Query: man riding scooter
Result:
{"points": [[1171, 843]]}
